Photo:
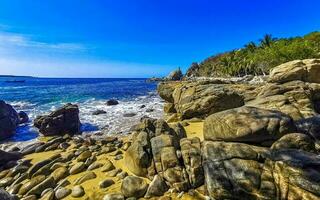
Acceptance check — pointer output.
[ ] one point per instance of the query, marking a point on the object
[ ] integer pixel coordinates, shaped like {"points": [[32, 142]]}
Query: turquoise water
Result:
{"points": [[41, 95]]}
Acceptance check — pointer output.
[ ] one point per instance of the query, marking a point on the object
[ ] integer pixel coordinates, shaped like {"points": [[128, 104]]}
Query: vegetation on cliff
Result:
{"points": [[258, 58]]}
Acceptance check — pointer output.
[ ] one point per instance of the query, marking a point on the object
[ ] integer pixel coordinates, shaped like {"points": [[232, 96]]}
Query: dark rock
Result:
{"points": [[112, 102], [99, 112], [150, 110], [23, 117], [6, 157], [106, 183], [62, 121], [4, 195], [9, 120], [129, 114]]}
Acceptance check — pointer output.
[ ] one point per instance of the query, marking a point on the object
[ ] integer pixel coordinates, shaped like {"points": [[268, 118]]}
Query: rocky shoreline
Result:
{"points": [[220, 139]]}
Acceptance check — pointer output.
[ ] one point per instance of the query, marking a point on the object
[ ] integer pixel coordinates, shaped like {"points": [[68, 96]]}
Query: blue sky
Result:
{"points": [[137, 38]]}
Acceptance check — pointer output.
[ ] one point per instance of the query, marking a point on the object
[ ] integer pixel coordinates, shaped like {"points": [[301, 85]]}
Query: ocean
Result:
{"points": [[37, 96]]}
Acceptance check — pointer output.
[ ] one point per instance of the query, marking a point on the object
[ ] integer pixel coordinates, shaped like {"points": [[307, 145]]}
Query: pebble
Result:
{"points": [[77, 168], [108, 166], [77, 191], [113, 197], [85, 177], [106, 183], [62, 193]]}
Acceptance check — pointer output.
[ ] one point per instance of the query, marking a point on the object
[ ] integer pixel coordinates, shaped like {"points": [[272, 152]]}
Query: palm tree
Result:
{"points": [[266, 41], [251, 46]]}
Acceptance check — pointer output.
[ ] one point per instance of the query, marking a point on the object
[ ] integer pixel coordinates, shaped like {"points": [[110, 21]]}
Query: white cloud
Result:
{"points": [[19, 40]]}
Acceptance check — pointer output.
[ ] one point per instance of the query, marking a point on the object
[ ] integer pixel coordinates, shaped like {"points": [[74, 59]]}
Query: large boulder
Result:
{"points": [[165, 90], [59, 122], [242, 171], [295, 141], [167, 163], [9, 120], [191, 154], [249, 125], [175, 75], [307, 70], [296, 98], [6, 157], [201, 100], [138, 156]]}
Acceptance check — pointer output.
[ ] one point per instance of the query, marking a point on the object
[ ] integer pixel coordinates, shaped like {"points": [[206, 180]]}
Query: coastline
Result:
{"points": [[217, 140]]}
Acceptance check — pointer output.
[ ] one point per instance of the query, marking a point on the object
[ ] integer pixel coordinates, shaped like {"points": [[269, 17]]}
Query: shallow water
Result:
{"points": [[38, 96]]}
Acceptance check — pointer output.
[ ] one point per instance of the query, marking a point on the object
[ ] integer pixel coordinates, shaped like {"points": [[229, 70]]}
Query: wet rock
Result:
{"points": [[62, 193], [77, 168], [106, 183], [77, 191], [9, 120], [31, 148], [248, 124], [112, 102], [150, 110], [23, 117], [87, 176], [157, 187], [6, 157], [99, 112], [133, 186], [62, 121], [129, 114]]}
